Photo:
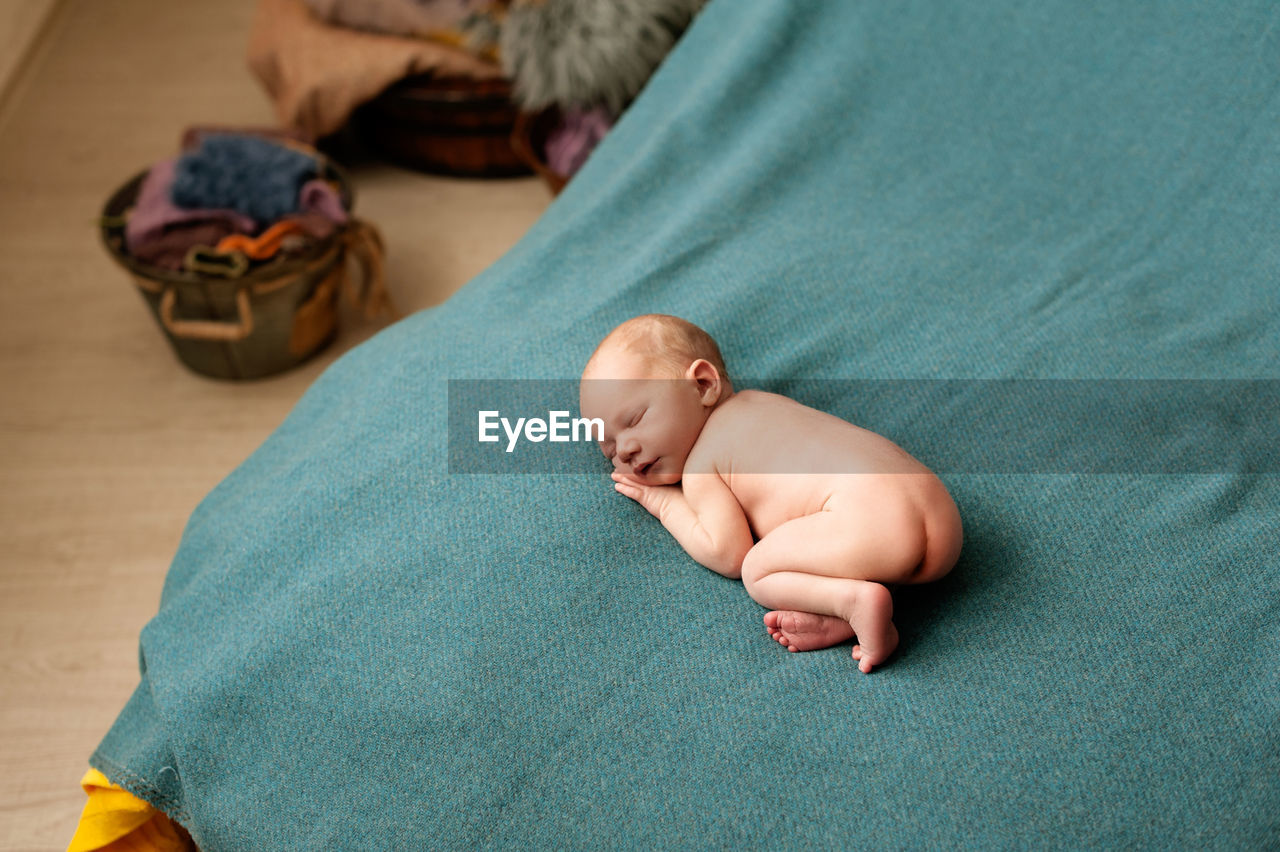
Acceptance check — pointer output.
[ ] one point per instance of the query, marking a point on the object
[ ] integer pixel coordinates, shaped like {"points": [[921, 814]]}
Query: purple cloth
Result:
{"points": [[154, 214], [569, 145], [320, 197], [316, 225], [169, 250]]}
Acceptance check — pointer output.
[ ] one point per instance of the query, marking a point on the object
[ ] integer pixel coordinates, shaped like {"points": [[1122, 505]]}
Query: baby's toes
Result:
{"points": [[867, 659]]}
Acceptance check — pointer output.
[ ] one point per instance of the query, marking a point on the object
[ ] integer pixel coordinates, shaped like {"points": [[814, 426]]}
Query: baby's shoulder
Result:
{"points": [[744, 401], [749, 405], [730, 411], [736, 419], [721, 433]]}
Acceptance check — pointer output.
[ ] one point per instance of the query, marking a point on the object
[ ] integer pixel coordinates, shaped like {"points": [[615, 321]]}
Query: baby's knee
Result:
{"points": [[750, 568], [753, 568]]}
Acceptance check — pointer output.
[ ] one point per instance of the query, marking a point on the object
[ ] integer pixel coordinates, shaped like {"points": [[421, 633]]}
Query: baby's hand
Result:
{"points": [[655, 498]]}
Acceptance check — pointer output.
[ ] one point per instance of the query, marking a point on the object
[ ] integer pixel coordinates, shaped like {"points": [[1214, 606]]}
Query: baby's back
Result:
{"points": [[783, 460]]}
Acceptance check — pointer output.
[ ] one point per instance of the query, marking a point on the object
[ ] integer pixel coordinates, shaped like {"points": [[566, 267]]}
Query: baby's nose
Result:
{"points": [[627, 451]]}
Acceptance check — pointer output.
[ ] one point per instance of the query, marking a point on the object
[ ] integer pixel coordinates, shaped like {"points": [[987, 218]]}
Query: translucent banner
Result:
{"points": [[1169, 426]]}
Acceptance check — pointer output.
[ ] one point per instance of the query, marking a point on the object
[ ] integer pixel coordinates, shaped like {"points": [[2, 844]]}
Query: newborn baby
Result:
{"points": [[814, 514]]}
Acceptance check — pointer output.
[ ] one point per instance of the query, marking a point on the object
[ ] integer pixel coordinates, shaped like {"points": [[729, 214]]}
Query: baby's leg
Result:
{"points": [[862, 607], [820, 573]]}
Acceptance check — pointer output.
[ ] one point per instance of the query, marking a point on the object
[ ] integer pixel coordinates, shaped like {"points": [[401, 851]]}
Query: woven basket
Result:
{"points": [[266, 321]]}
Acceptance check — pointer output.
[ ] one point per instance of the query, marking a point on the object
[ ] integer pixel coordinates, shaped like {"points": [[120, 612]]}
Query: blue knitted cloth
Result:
{"points": [[359, 648], [248, 174]]}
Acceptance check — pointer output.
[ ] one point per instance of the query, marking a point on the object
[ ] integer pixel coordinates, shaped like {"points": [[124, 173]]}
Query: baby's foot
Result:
{"points": [[806, 631], [872, 621]]}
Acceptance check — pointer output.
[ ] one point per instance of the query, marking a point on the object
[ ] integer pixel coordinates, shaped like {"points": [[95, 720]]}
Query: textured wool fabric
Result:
{"points": [[353, 639], [579, 54], [160, 232], [254, 176]]}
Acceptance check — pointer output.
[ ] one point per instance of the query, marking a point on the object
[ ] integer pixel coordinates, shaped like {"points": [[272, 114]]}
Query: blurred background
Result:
{"points": [[109, 434], [161, 312]]}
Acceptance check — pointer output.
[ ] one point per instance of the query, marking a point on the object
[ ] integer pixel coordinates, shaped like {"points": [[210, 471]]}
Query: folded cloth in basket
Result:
{"points": [[160, 232], [253, 176]]}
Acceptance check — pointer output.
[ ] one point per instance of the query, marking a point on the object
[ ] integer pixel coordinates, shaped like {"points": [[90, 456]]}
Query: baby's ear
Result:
{"points": [[703, 373]]}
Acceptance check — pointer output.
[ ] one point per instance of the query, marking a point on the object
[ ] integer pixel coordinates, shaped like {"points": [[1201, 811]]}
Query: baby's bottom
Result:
{"points": [[823, 574]]}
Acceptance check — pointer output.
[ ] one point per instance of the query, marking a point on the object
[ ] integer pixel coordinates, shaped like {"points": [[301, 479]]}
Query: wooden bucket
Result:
{"points": [[266, 321], [445, 125]]}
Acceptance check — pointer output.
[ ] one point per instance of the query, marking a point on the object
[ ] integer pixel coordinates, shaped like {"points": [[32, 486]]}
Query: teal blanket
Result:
{"points": [[359, 646]]}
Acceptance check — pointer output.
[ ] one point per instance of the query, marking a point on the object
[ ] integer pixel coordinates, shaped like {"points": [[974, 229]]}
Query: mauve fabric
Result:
{"points": [[572, 141], [155, 217], [321, 198], [356, 649]]}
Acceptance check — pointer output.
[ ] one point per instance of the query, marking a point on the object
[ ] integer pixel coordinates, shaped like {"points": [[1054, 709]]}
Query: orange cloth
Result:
{"points": [[115, 820], [263, 246]]}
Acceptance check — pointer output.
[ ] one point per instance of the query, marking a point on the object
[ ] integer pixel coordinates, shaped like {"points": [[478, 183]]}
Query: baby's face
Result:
{"points": [[650, 422]]}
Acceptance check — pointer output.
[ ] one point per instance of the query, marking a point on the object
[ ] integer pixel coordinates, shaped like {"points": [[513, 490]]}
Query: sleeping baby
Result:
{"points": [[814, 514]]}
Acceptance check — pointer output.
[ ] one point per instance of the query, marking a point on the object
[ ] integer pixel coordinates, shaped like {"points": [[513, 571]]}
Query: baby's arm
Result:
{"points": [[703, 516]]}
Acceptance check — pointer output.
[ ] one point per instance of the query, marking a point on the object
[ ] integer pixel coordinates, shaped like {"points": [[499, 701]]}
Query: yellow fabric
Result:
{"points": [[114, 820]]}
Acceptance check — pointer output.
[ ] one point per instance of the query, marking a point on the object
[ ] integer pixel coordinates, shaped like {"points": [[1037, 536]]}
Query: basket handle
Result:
{"points": [[364, 241], [227, 332]]}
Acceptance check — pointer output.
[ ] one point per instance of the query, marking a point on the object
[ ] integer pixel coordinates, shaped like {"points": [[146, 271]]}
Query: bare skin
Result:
{"points": [[807, 631], [815, 526]]}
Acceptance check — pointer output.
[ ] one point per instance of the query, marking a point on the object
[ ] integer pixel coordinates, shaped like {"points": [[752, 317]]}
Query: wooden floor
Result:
{"points": [[106, 442]]}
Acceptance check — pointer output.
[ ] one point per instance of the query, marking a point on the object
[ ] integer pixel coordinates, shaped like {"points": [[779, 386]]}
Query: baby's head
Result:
{"points": [[654, 381]]}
